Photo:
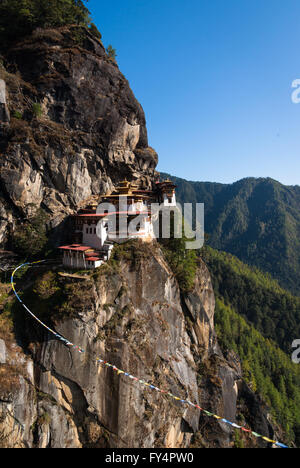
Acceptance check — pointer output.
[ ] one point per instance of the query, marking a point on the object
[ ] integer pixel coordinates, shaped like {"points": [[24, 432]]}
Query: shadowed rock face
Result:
{"points": [[76, 128]]}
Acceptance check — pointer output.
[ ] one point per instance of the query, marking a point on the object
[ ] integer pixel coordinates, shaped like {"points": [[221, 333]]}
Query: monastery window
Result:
{"points": [[94, 230], [87, 231], [91, 230]]}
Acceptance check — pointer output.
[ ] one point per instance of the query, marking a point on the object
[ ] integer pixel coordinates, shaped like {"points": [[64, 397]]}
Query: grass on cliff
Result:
{"points": [[52, 299], [30, 238], [132, 251], [182, 262]]}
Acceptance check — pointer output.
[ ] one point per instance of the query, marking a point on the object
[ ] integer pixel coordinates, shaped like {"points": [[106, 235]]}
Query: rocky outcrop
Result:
{"points": [[132, 315], [76, 128], [201, 312]]}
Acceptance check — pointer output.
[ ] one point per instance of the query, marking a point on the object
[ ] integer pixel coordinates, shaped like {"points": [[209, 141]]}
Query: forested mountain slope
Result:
{"points": [[255, 317], [258, 220]]}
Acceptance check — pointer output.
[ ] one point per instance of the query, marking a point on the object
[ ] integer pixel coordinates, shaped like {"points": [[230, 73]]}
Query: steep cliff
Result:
{"points": [[70, 127], [130, 313]]}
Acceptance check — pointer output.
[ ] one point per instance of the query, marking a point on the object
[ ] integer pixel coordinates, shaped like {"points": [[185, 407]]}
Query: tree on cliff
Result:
{"points": [[111, 52], [30, 238], [21, 17], [183, 262]]}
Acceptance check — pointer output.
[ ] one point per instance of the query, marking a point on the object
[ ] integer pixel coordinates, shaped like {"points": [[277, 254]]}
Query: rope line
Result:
{"points": [[57, 335], [136, 379]]}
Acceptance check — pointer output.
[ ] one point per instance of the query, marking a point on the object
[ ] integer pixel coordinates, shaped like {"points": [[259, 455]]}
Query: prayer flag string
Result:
{"points": [[136, 379]]}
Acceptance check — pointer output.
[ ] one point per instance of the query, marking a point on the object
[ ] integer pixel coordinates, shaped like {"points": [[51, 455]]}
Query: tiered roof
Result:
{"points": [[89, 253]]}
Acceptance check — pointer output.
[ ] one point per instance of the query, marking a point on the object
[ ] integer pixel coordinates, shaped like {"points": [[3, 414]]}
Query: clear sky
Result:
{"points": [[215, 80]]}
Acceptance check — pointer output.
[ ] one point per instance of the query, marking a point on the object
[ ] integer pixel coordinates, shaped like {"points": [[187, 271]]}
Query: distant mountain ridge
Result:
{"points": [[258, 220]]}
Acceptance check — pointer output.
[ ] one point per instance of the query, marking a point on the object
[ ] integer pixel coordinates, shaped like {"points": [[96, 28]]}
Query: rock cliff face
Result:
{"points": [[70, 127], [134, 317]]}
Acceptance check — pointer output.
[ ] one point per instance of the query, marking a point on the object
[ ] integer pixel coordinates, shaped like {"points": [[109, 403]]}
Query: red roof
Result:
{"points": [[96, 215], [76, 247], [93, 259], [140, 190]]}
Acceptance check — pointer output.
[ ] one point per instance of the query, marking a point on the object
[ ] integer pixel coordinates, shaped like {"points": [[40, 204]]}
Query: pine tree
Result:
{"points": [[111, 52], [20, 17]]}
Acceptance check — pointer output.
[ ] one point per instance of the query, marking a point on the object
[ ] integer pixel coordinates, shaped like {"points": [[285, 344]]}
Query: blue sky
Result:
{"points": [[215, 80]]}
